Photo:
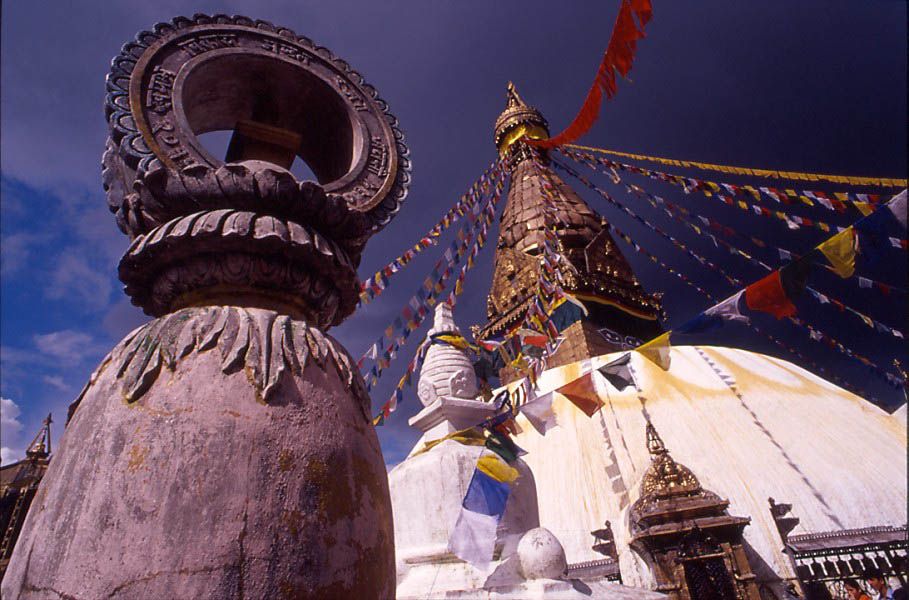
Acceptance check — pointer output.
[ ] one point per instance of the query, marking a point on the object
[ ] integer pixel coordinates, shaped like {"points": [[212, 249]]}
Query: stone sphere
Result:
{"points": [[540, 555]]}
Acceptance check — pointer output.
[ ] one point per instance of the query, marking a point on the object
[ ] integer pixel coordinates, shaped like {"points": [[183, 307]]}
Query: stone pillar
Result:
{"points": [[225, 449]]}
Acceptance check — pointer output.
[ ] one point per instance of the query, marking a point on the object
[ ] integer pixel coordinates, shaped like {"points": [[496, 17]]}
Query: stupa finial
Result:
{"points": [[517, 120], [512, 99], [654, 441]]}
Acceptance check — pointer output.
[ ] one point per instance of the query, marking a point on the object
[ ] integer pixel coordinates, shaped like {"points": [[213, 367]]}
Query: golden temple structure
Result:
{"points": [[18, 486], [621, 313]]}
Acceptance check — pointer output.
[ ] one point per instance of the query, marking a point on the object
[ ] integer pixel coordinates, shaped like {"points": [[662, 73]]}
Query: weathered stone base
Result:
{"points": [[198, 489]]}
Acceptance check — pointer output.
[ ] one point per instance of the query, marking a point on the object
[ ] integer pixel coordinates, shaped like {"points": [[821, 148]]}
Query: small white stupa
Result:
{"points": [[428, 487], [447, 386]]}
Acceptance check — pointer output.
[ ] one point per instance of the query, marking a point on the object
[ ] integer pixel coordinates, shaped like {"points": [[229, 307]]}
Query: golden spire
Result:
{"points": [[518, 120], [40, 446], [654, 441]]}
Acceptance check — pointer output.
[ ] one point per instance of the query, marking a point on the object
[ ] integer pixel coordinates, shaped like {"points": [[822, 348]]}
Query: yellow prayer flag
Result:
{"points": [[864, 208], [840, 251], [497, 469], [806, 200], [822, 226], [657, 351]]}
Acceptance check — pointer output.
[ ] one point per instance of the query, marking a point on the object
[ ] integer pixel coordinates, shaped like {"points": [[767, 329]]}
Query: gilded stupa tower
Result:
{"points": [[619, 309]]}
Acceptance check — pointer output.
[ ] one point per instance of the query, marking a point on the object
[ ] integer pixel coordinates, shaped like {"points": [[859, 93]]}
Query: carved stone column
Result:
{"points": [[225, 450]]}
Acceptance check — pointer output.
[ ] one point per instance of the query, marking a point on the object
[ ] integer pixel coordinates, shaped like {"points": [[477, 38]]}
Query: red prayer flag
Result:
{"points": [[767, 295], [619, 56], [582, 393]]}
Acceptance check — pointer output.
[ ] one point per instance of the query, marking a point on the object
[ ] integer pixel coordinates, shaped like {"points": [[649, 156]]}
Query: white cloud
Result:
{"points": [[57, 382], [68, 345], [15, 249], [8, 455], [75, 277], [10, 427]]}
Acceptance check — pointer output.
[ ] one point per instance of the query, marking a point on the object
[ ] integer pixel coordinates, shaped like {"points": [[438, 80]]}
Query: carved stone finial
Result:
{"points": [[244, 230], [443, 320]]}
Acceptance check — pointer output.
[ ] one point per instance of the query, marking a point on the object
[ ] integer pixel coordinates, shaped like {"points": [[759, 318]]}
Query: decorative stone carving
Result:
{"points": [[193, 76], [426, 391], [264, 344], [463, 384], [181, 79], [447, 371], [225, 448], [282, 259]]}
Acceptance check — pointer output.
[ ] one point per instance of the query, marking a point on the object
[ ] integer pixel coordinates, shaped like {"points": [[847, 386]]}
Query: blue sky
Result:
{"points": [[809, 86]]}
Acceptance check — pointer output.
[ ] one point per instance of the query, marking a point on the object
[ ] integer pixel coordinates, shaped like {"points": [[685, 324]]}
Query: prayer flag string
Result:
{"points": [[422, 301], [710, 189], [656, 201], [375, 285], [769, 294], [691, 253], [886, 182]]}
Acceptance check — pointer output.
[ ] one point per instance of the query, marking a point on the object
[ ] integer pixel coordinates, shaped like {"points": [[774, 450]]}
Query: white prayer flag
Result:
{"points": [[540, 414], [897, 206], [473, 538], [728, 309]]}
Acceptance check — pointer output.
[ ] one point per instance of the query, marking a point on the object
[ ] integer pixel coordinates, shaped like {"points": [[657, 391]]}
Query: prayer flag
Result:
{"points": [[582, 393], [618, 372], [657, 351], [540, 414], [897, 206], [872, 235], [700, 324], [767, 295], [474, 535], [503, 445], [840, 251]]}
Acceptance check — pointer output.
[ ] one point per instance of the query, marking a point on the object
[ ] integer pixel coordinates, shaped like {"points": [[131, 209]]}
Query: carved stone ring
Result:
{"points": [[283, 97], [193, 76]]}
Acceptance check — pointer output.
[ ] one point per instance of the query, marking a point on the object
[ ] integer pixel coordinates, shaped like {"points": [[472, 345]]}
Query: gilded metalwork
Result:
{"points": [[597, 272], [693, 545], [665, 477], [518, 113]]}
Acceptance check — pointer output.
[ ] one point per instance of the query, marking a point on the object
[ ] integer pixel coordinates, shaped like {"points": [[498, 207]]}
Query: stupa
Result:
{"points": [[752, 427]]}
